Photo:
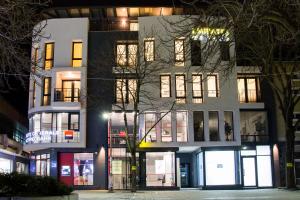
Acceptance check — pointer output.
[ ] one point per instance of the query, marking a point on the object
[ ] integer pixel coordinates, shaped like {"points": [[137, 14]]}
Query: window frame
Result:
{"points": [[49, 92], [177, 62], [151, 40], [45, 55], [160, 88], [201, 86], [216, 83], [257, 88], [73, 58], [178, 97], [127, 90], [126, 43]]}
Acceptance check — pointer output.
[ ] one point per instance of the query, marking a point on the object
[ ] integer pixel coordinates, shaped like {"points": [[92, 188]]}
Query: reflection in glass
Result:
{"points": [[150, 120], [166, 127], [83, 168], [228, 125], [198, 126], [181, 126], [213, 124]]}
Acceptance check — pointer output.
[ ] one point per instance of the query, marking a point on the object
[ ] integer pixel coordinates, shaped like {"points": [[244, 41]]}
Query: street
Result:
{"points": [[192, 194]]}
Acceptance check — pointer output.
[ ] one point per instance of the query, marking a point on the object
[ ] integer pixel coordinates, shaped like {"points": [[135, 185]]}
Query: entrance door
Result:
{"points": [[184, 174], [249, 172]]}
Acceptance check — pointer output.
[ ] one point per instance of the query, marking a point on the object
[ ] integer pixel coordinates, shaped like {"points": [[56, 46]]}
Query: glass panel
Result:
{"points": [[264, 171], [150, 120], [253, 126], [181, 126], [228, 125], [49, 51], [121, 91], [241, 90], [6, 165], [180, 86], [263, 150], [251, 89], [149, 50], [249, 171], [76, 63], [77, 50], [46, 122], [131, 90], [197, 89], [121, 54], [220, 168], [74, 123], [160, 169], [198, 126], [165, 86], [212, 86], [213, 124], [179, 52], [166, 127], [134, 26], [83, 168], [132, 54], [36, 122], [248, 153]]}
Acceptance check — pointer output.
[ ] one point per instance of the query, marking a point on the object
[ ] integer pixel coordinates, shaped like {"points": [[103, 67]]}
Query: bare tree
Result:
{"points": [[17, 21]]}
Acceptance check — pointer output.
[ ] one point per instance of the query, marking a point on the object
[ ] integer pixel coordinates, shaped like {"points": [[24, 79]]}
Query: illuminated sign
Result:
{"points": [[69, 134], [213, 33], [40, 136]]}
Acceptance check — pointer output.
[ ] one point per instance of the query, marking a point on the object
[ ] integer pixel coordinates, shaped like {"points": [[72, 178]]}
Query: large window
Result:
{"points": [[53, 128], [228, 125], [35, 59], [181, 126], [212, 86], [49, 56], [149, 46], [83, 169], [125, 90], [179, 52], [165, 86], [198, 126], [197, 89], [150, 128], [77, 54], [42, 165], [160, 169], [254, 126], [248, 89], [180, 88], [213, 125], [6, 165], [166, 127], [46, 92], [220, 168], [126, 54], [70, 91]]}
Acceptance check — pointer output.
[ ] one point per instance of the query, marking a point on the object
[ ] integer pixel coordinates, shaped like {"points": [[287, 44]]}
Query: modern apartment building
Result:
{"points": [[219, 134]]}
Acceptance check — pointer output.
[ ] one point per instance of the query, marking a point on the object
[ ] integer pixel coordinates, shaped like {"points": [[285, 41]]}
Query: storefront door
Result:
{"points": [[184, 174], [249, 171]]}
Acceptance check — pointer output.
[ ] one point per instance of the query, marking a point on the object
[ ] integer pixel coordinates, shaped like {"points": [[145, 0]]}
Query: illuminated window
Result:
{"points": [[212, 86], [83, 169], [228, 125], [49, 55], [125, 90], [165, 86], [77, 54], [149, 49], [42, 165], [126, 54], [213, 124], [179, 52], [248, 89], [181, 126], [197, 89], [180, 88], [166, 127], [33, 93], [133, 26], [46, 91], [35, 59], [198, 126], [150, 120]]}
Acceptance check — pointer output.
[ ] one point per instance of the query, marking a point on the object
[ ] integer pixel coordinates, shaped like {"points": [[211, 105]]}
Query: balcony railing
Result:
{"points": [[249, 96], [67, 94]]}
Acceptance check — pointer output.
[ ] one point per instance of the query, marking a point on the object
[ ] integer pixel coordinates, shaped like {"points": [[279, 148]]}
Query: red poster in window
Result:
{"points": [[69, 134], [122, 133]]}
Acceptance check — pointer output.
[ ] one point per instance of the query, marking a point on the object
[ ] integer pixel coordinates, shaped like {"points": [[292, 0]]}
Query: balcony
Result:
{"points": [[249, 96], [66, 94]]}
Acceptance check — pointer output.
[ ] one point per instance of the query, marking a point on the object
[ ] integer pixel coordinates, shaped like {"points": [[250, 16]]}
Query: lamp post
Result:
{"points": [[110, 180]]}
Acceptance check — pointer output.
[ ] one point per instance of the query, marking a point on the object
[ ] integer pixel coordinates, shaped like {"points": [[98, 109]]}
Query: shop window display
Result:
{"points": [[83, 169]]}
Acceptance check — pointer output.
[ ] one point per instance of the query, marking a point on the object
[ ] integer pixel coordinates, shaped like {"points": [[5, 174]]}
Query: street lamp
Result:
{"points": [[107, 116]]}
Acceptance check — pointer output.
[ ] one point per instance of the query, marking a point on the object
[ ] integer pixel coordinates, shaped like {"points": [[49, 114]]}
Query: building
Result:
{"points": [[12, 133], [219, 134]]}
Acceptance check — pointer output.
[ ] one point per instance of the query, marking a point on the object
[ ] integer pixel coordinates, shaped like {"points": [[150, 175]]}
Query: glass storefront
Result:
{"points": [[42, 165], [160, 169], [83, 168], [6, 165]]}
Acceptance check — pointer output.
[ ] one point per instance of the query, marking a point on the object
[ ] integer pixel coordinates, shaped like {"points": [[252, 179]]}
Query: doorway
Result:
{"points": [[185, 174], [249, 171]]}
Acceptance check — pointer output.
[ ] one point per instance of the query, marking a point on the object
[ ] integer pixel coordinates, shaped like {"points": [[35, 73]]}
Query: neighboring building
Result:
{"points": [[12, 133], [218, 136]]}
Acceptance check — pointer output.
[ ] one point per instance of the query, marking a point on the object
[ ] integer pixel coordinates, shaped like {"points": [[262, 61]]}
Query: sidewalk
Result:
{"points": [[261, 194]]}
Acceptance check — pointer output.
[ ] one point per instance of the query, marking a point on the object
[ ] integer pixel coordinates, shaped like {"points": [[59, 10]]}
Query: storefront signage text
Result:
{"points": [[40, 136]]}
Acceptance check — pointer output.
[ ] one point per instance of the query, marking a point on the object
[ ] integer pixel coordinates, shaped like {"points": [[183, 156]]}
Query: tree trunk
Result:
{"points": [[133, 172], [290, 168]]}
